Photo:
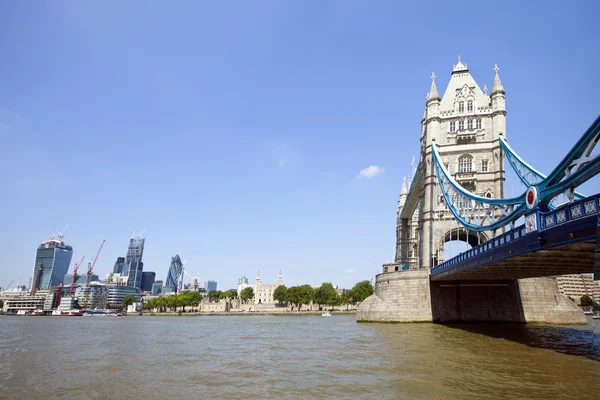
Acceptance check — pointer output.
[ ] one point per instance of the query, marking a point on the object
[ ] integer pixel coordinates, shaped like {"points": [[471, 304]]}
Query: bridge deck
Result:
{"points": [[557, 242]]}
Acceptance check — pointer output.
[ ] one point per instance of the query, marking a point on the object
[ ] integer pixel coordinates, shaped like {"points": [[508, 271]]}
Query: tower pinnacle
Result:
{"points": [[460, 67], [433, 92], [497, 88]]}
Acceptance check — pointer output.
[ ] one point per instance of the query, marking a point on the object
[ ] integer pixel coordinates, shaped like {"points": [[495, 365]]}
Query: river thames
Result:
{"points": [[304, 357]]}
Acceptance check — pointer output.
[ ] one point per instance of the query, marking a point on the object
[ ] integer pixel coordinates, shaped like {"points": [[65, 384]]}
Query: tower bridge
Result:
{"points": [[457, 193]]}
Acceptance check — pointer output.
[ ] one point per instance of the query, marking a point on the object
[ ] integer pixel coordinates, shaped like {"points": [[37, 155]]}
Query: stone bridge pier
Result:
{"points": [[409, 296]]}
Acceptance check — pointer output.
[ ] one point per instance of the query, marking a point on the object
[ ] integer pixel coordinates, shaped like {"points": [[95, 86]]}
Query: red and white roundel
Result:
{"points": [[531, 197]]}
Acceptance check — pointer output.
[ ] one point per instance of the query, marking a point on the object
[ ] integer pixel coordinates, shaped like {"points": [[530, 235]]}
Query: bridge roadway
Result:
{"points": [[556, 242]]}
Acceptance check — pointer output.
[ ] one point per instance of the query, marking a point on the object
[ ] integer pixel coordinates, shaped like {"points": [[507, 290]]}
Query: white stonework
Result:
{"points": [[465, 124], [263, 292]]}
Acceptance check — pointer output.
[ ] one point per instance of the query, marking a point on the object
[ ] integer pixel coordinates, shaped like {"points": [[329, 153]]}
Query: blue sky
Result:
{"points": [[234, 133]]}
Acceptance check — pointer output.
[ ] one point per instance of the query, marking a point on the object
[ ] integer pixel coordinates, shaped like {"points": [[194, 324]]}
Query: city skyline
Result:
{"points": [[243, 141]]}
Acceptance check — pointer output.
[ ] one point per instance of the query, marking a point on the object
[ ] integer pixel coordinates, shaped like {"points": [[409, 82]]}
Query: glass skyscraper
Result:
{"points": [[134, 277], [52, 262], [147, 281], [175, 270], [210, 285], [134, 266], [118, 268]]}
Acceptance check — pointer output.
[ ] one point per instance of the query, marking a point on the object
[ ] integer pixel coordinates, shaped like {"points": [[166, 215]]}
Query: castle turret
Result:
{"points": [[498, 98]]}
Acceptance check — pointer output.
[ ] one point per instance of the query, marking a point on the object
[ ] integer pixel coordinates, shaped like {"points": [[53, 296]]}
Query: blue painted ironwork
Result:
{"points": [[480, 214], [542, 229], [526, 173]]}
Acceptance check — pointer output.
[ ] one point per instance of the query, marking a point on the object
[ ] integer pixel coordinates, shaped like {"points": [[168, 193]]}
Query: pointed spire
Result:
{"points": [[433, 92], [485, 89], [403, 191], [497, 88]]}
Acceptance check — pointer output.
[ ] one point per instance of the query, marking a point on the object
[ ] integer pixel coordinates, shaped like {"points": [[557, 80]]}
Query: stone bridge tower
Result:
{"points": [[465, 124]]}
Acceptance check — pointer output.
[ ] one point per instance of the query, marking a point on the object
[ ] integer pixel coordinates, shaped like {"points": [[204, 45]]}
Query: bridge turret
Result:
{"points": [[432, 112], [498, 98]]}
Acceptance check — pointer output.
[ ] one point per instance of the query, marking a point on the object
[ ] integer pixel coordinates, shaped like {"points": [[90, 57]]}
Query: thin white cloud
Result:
{"points": [[349, 271], [282, 162], [370, 172]]}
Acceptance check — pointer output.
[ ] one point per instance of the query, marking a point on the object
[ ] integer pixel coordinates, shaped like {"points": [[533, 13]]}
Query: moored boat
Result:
{"points": [[30, 313], [68, 313]]}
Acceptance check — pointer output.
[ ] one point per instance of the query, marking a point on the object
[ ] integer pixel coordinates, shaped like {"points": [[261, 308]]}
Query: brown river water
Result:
{"points": [[287, 357]]}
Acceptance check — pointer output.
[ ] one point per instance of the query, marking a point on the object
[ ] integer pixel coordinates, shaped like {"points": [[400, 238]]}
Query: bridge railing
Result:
{"points": [[569, 212], [535, 222]]}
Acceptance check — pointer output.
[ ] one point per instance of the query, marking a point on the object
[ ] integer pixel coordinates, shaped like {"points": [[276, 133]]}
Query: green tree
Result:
{"points": [[247, 294], [1, 303], [230, 294], [326, 295], [280, 293], [195, 299], [586, 301], [298, 295], [595, 307], [214, 295], [171, 302], [128, 300], [361, 291], [345, 299]]}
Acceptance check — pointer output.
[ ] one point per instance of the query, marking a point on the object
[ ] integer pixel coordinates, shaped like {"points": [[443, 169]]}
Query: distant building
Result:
{"points": [[243, 284], [134, 277], [194, 284], [210, 285], [52, 261], [118, 268], [174, 273], [135, 250], [263, 293], [575, 286], [157, 288], [94, 296], [147, 281], [81, 279], [115, 279], [12, 305], [168, 289], [116, 293]]}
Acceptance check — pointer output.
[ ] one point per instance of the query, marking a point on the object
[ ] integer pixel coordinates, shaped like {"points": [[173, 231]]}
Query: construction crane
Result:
{"points": [[92, 264], [89, 275], [57, 296], [36, 278], [61, 234], [75, 269]]}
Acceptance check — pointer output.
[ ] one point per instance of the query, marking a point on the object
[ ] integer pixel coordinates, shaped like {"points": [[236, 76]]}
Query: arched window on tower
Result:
{"points": [[470, 105], [461, 106], [479, 124], [465, 163], [470, 124], [461, 125]]}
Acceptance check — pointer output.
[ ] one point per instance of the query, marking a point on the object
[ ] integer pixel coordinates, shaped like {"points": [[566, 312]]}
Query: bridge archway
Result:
{"points": [[457, 240]]}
